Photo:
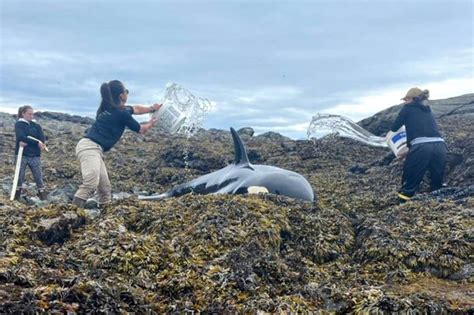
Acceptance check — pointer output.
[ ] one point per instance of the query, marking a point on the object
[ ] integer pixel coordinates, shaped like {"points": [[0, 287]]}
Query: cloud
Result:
{"points": [[266, 121], [460, 61], [11, 107], [297, 128], [294, 131], [37, 59], [267, 94], [378, 100], [271, 65], [8, 105]]}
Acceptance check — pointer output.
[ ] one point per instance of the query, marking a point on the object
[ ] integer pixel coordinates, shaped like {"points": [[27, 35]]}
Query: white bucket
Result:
{"points": [[397, 141], [170, 118]]}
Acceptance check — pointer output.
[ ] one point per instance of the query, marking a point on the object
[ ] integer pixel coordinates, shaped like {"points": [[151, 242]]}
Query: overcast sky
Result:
{"points": [[270, 65]]}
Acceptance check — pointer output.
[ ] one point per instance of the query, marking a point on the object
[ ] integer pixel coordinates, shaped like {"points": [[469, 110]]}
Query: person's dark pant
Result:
{"points": [[34, 163], [430, 156]]}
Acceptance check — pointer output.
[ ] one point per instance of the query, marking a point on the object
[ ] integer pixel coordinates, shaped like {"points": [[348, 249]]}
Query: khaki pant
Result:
{"points": [[94, 173]]}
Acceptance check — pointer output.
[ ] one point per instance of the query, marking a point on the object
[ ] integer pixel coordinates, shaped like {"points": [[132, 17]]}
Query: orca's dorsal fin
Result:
{"points": [[239, 150]]}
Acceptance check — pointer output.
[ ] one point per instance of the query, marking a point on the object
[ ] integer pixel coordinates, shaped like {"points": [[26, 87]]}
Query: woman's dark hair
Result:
{"points": [[110, 93], [23, 110]]}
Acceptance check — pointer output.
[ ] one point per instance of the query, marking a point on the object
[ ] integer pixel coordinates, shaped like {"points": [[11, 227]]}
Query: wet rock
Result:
{"points": [[355, 250], [247, 131], [63, 117], [254, 156], [447, 193], [386, 160], [466, 273], [63, 195], [7, 184], [273, 136], [357, 169], [58, 229], [92, 213], [121, 195], [36, 201], [289, 146]]}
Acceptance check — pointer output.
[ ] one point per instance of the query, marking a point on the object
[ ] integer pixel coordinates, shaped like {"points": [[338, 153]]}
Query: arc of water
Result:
{"points": [[344, 127]]}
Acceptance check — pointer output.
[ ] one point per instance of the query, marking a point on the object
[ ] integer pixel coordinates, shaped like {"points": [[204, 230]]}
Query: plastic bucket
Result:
{"points": [[397, 141], [170, 118]]}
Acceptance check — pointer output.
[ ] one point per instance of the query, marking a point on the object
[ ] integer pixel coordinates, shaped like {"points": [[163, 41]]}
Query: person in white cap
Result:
{"points": [[427, 149]]}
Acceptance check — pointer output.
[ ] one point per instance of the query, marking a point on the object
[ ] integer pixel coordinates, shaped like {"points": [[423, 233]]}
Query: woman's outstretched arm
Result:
{"points": [[142, 109]]}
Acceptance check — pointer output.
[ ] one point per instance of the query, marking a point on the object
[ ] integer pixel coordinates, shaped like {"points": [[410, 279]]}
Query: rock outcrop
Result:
{"points": [[355, 250]]}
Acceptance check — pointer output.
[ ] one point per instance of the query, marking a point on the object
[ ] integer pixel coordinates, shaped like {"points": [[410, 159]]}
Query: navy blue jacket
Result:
{"points": [[110, 125], [23, 129], [418, 120]]}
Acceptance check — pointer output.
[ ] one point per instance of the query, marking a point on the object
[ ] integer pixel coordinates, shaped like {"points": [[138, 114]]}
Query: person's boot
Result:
{"points": [[402, 198], [17, 194], [78, 202], [43, 195]]}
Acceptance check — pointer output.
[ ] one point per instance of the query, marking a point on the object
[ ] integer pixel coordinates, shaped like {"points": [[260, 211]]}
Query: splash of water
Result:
{"points": [[193, 107], [324, 124]]}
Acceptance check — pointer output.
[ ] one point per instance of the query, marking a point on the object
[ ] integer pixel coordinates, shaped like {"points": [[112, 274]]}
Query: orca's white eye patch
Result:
{"points": [[257, 189]]}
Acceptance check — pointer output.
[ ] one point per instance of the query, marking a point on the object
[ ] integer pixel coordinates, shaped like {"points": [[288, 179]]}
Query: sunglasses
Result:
{"points": [[126, 91]]}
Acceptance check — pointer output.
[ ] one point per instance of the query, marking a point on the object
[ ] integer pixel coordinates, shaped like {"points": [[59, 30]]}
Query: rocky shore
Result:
{"points": [[353, 250]]}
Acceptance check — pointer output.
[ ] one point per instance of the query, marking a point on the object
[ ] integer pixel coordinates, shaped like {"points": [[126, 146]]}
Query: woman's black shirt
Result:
{"points": [[23, 129], [110, 125]]}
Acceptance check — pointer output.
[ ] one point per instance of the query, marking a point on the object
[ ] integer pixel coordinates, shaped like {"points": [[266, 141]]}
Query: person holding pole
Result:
{"points": [[111, 119], [30, 137]]}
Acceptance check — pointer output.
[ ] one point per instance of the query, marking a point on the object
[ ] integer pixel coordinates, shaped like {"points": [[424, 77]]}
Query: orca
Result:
{"points": [[242, 177]]}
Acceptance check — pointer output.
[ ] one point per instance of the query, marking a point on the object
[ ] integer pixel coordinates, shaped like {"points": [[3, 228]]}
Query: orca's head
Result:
{"points": [[287, 183]]}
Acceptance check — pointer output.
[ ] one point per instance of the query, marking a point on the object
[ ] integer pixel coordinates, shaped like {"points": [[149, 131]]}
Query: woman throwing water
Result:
{"points": [[111, 119], [427, 150]]}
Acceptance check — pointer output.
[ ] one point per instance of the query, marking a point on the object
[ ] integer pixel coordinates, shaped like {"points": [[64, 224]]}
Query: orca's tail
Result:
{"points": [[154, 197]]}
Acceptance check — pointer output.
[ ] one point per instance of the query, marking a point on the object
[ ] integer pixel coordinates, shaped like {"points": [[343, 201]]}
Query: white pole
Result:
{"points": [[17, 172], [33, 138]]}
